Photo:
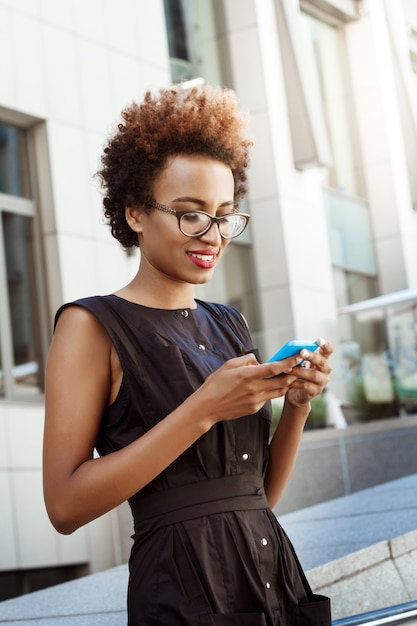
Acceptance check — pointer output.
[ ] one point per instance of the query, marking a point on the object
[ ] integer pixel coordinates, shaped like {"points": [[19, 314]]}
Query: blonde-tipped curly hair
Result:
{"points": [[203, 120]]}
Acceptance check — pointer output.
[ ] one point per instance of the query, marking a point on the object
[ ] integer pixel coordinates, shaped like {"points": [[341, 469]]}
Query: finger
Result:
{"points": [[325, 347], [241, 361], [282, 383], [276, 368], [315, 360], [313, 376]]}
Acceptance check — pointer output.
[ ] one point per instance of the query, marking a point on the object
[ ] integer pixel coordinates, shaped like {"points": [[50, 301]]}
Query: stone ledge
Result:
{"points": [[361, 549], [368, 558], [374, 583], [348, 566], [404, 544]]}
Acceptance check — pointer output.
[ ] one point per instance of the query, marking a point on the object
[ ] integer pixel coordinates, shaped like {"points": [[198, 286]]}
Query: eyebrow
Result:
{"points": [[227, 203]]}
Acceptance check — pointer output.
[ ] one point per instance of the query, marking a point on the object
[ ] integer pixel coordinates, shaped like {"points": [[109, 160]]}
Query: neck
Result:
{"points": [[150, 294]]}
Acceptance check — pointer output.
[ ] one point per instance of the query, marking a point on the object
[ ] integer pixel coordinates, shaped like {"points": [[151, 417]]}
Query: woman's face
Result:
{"points": [[188, 183]]}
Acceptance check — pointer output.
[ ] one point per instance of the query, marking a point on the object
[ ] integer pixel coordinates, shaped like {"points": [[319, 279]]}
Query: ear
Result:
{"points": [[134, 218]]}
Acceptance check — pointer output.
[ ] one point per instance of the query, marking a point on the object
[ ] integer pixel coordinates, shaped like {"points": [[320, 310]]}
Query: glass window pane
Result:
{"points": [[181, 63], [211, 60], [351, 287], [1, 375], [402, 334], [27, 369], [350, 232], [361, 287], [14, 177], [193, 40], [326, 47]]}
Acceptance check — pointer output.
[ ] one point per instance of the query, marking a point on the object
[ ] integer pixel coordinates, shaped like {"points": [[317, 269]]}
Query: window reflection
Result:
{"points": [[326, 46], [193, 40], [350, 233], [14, 178], [21, 291], [1, 375], [402, 338], [379, 351]]}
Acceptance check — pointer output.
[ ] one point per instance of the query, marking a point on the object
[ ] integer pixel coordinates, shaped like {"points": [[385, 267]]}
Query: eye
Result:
{"points": [[193, 218]]}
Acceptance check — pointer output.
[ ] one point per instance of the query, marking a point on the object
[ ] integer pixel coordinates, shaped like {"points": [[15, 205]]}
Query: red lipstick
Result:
{"points": [[203, 258]]}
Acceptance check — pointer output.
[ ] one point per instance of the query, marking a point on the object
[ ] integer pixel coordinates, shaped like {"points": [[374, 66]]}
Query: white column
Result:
{"points": [[377, 105]]}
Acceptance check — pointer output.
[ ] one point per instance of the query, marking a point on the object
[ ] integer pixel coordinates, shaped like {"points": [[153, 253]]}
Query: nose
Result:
{"points": [[213, 235]]}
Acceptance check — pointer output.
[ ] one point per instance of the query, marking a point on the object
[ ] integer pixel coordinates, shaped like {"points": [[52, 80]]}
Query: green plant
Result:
{"points": [[318, 414], [316, 419]]}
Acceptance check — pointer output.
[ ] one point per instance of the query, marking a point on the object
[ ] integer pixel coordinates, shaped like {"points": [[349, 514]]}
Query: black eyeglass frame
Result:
{"points": [[178, 214]]}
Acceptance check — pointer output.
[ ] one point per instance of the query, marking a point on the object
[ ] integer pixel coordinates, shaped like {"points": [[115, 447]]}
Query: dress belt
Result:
{"points": [[217, 495]]}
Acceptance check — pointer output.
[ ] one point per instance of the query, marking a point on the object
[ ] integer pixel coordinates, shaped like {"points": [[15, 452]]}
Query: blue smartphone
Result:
{"points": [[293, 347]]}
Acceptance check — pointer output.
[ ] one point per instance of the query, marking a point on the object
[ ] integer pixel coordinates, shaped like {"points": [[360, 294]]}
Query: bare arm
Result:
{"points": [[80, 382], [284, 445]]}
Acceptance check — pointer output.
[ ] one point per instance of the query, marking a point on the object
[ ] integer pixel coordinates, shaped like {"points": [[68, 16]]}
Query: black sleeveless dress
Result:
{"points": [[207, 549]]}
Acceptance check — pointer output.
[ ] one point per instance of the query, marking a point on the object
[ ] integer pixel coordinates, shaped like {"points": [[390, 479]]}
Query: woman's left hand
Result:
{"points": [[313, 375]]}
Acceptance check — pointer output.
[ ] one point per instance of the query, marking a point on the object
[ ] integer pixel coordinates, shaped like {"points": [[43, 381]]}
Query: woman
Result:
{"points": [[170, 391]]}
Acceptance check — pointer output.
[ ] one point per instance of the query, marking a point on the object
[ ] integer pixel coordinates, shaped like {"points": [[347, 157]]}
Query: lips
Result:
{"points": [[203, 258]]}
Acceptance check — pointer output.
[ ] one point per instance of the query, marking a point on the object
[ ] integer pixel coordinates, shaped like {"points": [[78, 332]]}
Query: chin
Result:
{"points": [[202, 280]]}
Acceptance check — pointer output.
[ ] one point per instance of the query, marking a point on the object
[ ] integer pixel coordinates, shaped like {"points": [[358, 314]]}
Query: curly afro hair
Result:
{"points": [[203, 120]]}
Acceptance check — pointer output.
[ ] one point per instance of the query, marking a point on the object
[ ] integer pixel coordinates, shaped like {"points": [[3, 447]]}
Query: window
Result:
{"points": [[193, 40], [330, 73], [350, 233], [21, 354], [344, 192], [351, 247]]}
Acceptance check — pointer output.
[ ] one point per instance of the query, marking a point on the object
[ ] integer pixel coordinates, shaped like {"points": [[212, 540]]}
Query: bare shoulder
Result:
{"points": [[78, 330], [77, 390], [80, 351], [78, 319]]}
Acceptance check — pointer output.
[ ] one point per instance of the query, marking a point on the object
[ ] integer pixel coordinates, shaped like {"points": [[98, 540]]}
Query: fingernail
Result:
{"points": [[305, 354], [321, 341]]}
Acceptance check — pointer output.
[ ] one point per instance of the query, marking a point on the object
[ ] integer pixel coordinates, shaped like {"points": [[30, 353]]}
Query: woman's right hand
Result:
{"points": [[242, 386]]}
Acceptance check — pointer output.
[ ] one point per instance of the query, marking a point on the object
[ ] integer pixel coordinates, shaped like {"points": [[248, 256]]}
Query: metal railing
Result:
{"points": [[393, 615]]}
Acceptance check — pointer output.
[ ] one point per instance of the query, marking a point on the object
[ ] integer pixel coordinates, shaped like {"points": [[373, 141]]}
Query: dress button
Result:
{"points": [[268, 585], [264, 541], [201, 347], [185, 313], [245, 456]]}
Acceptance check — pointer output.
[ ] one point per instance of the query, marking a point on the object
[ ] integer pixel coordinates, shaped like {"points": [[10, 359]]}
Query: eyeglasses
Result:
{"points": [[196, 223]]}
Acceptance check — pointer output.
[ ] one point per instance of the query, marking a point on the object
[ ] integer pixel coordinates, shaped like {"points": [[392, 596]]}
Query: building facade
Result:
{"points": [[331, 88]]}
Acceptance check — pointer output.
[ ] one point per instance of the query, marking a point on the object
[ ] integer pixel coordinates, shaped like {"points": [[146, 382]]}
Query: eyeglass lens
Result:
{"points": [[195, 223]]}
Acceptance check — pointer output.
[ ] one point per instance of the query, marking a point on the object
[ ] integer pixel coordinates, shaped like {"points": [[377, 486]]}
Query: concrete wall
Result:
{"points": [[336, 462], [27, 538]]}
